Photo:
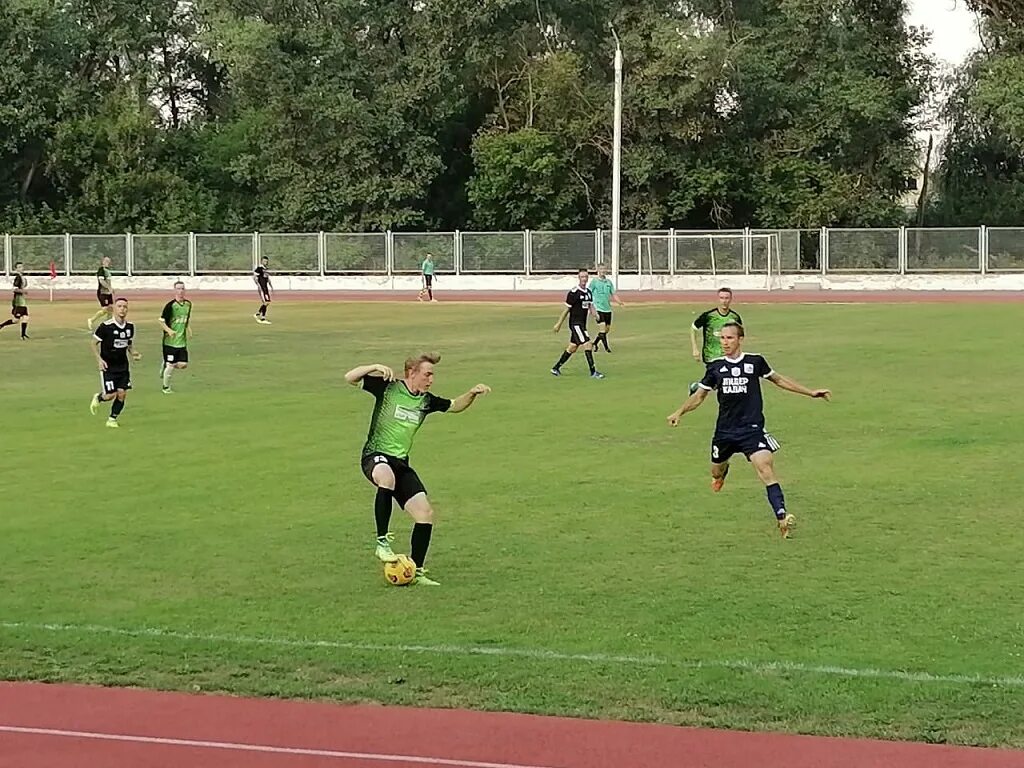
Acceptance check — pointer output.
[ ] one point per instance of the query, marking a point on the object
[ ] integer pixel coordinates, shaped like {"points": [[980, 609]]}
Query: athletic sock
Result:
{"points": [[382, 511], [776, 499], [590, 361], [24, 330], [116, 408], [420, 542], [5, 323], [168, 370], [562, 360]]}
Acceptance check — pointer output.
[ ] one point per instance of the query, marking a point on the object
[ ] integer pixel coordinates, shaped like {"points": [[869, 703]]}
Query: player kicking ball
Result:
{"points": [[400, 407], [740, 426]]}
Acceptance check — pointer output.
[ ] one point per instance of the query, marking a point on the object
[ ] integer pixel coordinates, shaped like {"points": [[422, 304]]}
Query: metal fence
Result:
{"points": [[898, 250]]}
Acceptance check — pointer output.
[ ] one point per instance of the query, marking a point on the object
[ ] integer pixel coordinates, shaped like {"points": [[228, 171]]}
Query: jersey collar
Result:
{"points": [[734, 360]]}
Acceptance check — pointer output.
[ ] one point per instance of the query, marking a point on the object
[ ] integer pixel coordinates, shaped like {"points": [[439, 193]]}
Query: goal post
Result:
{"points": [[740, 253]]}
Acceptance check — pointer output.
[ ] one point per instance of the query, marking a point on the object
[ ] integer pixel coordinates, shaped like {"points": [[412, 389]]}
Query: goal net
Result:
{"points": [[709, 254]]}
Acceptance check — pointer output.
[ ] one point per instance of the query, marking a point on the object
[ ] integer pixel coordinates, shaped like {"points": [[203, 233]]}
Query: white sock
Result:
{"points": [[167, 374]]}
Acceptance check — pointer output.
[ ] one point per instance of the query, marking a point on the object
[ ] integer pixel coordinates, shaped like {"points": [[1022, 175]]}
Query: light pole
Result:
{"points": [[617, 160]]}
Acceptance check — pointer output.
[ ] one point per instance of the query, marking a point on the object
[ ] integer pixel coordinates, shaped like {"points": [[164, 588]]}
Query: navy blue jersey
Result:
{"points": [[738, 382], [578, 300]]}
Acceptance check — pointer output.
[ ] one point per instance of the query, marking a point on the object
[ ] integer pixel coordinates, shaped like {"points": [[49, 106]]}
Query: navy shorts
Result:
{"points": [[723, 447]]}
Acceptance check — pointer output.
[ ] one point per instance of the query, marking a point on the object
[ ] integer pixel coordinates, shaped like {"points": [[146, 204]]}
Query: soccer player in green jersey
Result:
{"points": [[175, 321], [104, 293], [427, 269], [398, 413], [709, 324], [19, 304], [603, 291]]}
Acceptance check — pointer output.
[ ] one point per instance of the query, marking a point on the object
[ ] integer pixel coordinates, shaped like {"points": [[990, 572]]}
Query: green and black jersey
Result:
{"points": [[397, 416], [711, 323], [103, 284], [19, 299], [176, 315]]}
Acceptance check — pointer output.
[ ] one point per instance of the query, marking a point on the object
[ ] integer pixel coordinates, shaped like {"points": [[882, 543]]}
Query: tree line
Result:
{"points": [[357, 115]]}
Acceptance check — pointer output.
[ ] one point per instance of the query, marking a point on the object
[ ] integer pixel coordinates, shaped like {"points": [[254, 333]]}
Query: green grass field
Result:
{"points": [[222, 539]]}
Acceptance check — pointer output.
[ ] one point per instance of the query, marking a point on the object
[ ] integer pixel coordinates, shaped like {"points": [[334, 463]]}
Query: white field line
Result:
{"points": [[239, 747], [745, 665]]}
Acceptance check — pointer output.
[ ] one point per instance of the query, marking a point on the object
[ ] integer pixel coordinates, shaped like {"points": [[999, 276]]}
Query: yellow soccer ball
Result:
{"points": [[400, 572]]}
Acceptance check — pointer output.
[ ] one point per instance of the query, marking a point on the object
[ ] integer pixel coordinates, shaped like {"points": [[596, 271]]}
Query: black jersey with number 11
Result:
{"points": [[738, 382], [114, 339]]}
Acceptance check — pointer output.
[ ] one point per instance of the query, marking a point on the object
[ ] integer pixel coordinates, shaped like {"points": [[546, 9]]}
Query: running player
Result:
{"points": [[709, 324], [740, 426], [19, 302], [400, 408], [112, 345], [175, 321], [104, 292], [579, 304], [603, 291], [261, 275], [427, 268]]}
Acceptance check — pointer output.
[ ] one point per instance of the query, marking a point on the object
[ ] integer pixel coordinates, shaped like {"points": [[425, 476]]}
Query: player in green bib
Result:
{"points": [[104, 293], [175, 321], [19, 304], [603, 291], [400, 407], [427, 268], [709, 324]]}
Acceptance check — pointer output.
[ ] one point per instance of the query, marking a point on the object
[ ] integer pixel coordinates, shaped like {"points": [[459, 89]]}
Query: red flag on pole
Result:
{"points": [[53, 270]]}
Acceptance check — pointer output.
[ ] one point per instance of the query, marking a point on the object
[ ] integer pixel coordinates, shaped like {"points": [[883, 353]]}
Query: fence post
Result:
{"points": [[67, 254], [321, 252], [255, 249], [191, 254], [129, 253], [389, 253], [672, 253], [823, 250], [748, 255], [457, 251], [527, 252], [598, 247], [7, 253], [983, 249], [901, 252]]}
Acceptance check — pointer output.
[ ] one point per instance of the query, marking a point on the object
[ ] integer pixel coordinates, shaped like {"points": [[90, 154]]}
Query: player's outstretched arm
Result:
{"points": [[561, 319], [692, 403], [694, 343], [462, 402], [357, 374], [788, 384]]}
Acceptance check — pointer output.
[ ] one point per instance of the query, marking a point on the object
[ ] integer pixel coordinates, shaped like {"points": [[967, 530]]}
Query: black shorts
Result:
{"points": [[174, 355], [604, 317], [265, 293], [105, 299], [407, 482], [428, 280], [17, 311], [115, 380], [578, 334], [724, 446]]}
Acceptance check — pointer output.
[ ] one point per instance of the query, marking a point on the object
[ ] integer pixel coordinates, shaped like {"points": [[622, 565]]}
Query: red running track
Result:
{"points": [[57, 726], [630, 297]]}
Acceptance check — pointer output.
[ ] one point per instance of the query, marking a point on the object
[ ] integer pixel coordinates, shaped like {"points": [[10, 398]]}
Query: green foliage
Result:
{"points": [[305, 115]]}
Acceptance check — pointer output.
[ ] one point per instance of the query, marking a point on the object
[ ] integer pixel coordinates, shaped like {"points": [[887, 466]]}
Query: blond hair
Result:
{"points": [[414, 363]]}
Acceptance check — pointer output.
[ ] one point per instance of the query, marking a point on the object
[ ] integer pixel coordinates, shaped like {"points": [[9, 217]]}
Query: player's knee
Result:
{"points": [[571, 349], [120, 395], [420, 510], [181, 366]]}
